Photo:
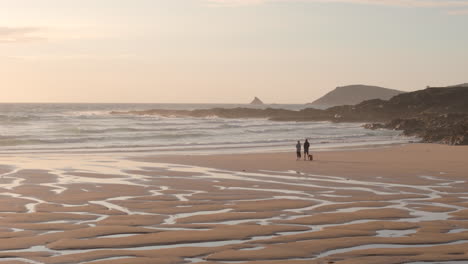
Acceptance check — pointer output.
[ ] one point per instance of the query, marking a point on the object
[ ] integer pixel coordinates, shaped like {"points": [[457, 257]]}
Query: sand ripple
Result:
{"points": [[85, 209]]}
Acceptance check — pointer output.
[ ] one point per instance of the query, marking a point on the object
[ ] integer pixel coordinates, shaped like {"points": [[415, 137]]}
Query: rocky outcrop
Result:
{"points": [[434, 114], [256, 101], [240, 112], [449, 129], [353, 94]]}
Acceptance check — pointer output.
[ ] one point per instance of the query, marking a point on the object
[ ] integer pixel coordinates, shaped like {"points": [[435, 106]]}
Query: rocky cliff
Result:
{"points": [[435, 114]]}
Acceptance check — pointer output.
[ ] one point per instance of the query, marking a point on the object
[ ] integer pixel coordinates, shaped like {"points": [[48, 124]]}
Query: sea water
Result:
{"points": [[27, 128]]}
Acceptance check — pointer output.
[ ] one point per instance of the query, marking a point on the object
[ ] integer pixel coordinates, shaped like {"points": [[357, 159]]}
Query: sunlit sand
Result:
{"points": [[113, 209]]}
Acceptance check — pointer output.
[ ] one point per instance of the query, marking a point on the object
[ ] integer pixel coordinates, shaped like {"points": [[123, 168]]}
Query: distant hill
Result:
{"points": [[434, 100], [460, 85], [354, 94], [256, 101]]}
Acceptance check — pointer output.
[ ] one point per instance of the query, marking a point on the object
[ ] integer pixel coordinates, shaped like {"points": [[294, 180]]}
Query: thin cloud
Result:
{"points": [[402, 3], [19, 34]]}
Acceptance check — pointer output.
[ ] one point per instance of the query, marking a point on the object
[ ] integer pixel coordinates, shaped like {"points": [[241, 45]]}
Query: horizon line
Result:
{"points": [[144, 103]]}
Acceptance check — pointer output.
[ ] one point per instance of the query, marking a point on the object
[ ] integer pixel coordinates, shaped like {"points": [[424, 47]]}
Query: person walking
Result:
{"points": [[298, 150], [306, 149]]}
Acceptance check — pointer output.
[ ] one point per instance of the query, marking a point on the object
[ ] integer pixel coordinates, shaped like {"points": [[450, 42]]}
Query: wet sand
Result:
{"points": [[400, 204]]}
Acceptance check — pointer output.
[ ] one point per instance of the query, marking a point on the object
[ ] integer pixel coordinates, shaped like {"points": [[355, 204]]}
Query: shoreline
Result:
{"points": [[411, 158], [166, 151]]}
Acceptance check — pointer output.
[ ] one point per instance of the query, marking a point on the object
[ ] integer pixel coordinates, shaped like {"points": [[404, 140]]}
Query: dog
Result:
{"points": [[311, 157]]}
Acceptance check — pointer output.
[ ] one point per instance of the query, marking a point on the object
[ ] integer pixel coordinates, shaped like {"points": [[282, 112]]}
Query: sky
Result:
{"points": [[225, 51]]}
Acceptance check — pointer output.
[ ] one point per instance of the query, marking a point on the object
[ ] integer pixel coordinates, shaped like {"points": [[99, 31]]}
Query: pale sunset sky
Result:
{"points": [[225, 51]]}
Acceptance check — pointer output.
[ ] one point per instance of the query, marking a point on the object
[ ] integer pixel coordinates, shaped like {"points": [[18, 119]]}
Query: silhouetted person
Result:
{"points": [[298, 150], [306, 149]]}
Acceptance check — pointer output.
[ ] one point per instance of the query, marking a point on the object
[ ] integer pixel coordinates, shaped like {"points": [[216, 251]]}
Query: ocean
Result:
{"points": [[84, 128]]}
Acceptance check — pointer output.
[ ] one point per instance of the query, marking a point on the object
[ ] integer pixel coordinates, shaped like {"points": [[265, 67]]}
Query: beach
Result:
{"points": [[170, 132], [394, 204]]}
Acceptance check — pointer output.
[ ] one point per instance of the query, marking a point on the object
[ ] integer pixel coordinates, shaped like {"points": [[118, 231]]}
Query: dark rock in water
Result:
{"points": [[374, 126], [239, 112], [410, 127], [433, 114], [449, 129], [256, 101]]}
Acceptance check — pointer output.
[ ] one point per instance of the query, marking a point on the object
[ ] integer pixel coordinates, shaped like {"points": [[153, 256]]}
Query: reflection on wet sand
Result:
{"points": [[89, 209]]}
